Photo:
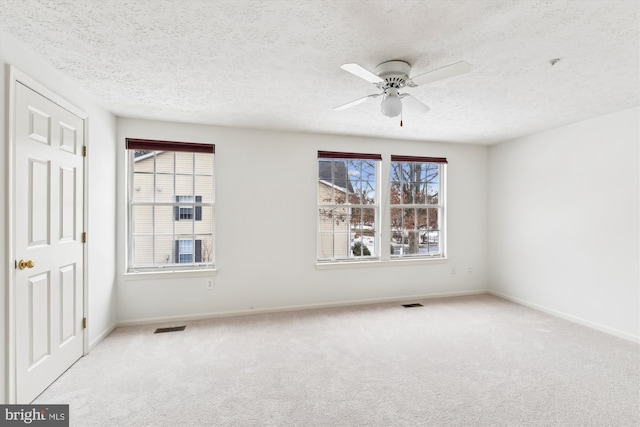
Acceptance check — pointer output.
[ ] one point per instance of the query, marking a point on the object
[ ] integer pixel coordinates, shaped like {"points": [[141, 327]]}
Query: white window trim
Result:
{"points": [[377, 220], [442, 198], [174, 274], [381, 263], [384, 234], [175, 271]]}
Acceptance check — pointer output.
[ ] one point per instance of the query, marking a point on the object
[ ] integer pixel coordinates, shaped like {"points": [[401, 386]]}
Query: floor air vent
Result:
{"points": [[415, 304], [172, 329]]}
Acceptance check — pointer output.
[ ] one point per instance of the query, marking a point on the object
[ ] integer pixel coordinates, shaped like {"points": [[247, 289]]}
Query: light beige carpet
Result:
{"points": [[468, 361]]}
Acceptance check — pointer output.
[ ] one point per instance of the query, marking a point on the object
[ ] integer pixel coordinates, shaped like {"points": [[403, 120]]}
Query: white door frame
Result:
{"points": [[14, 77]]}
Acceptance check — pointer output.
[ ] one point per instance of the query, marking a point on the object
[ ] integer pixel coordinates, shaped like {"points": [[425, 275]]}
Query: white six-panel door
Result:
{"points": [[49, 200]]}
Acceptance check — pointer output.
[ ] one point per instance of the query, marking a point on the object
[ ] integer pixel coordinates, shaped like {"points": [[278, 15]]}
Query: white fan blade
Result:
{"points": [[363, 73], [445, 72], [413, 105], [356, 102]]}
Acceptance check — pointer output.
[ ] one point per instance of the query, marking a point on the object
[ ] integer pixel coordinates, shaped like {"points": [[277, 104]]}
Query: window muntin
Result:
{"points": [[416, 207], [170, 202], [348, 207]]}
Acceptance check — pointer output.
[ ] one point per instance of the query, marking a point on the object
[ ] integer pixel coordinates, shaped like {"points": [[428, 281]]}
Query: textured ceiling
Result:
{"points": [[276, 64]]}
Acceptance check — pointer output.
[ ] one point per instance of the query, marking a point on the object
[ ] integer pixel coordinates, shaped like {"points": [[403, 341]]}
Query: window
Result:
{"points": [[184, 212], [188, 250], [186, 208], [185, 251], [417, 206], [348, 206], [170, 202]]}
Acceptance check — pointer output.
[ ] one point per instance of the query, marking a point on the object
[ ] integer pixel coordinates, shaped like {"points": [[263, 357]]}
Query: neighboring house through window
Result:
{"points": [[348, 206], [187, 252], [170, 201], [187, 206]]}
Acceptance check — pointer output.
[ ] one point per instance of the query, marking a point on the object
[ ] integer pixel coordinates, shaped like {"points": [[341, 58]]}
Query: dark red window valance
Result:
{"points": [[155, 145], [395, 158], [340, 155]]}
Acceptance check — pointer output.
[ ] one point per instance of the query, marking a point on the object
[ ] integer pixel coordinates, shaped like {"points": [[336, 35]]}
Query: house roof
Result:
{"points": [[138, 157], [335, 173], [275, 64]]}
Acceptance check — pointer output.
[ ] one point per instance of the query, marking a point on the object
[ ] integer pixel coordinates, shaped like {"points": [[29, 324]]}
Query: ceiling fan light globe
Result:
{"points": [[391, 105]]}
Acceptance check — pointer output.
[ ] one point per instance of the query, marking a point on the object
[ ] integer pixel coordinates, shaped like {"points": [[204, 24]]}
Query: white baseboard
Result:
{"points": [[101, 337], [184, 318], [571, 318]]}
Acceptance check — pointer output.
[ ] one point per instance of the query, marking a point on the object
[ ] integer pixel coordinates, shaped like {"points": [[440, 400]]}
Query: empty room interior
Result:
{"points": [[323, 212]]}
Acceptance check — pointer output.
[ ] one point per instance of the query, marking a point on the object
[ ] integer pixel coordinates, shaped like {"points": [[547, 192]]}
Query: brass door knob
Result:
{"points": [[25, 264]]}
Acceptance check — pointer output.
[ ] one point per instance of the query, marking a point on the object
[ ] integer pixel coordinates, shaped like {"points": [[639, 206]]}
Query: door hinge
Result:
{"points": [[84, 323], [84, 151], [84, 237]]}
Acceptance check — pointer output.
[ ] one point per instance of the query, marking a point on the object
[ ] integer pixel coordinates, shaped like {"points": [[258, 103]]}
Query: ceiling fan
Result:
{"points": [[391, 76]]}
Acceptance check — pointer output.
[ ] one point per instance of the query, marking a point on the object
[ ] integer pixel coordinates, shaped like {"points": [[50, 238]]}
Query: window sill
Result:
{"points": [[182, 274], [379, 263]]}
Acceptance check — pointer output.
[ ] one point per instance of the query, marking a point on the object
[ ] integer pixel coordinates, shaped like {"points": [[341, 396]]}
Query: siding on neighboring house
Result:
{"points": [[200, 186], [333, 238]]}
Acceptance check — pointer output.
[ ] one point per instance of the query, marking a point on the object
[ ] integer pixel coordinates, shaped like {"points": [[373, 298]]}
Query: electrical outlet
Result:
{"points": [[453, 270], [209, 284], [469, 270]]}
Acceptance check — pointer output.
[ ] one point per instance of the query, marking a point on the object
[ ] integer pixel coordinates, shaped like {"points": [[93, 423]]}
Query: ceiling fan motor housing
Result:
{"points": [[394, 73]]}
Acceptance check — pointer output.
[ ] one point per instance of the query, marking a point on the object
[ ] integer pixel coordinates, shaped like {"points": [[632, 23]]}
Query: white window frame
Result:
{"points": [[440, 206], [376, 206], [204, 266]]}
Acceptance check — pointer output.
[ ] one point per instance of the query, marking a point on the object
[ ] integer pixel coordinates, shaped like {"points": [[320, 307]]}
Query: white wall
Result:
{"points": [[101, 200], [266, 227], [563, 221]]}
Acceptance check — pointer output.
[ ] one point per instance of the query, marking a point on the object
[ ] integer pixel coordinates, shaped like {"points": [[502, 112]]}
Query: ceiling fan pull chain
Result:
{"points": [[400, 119]]}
